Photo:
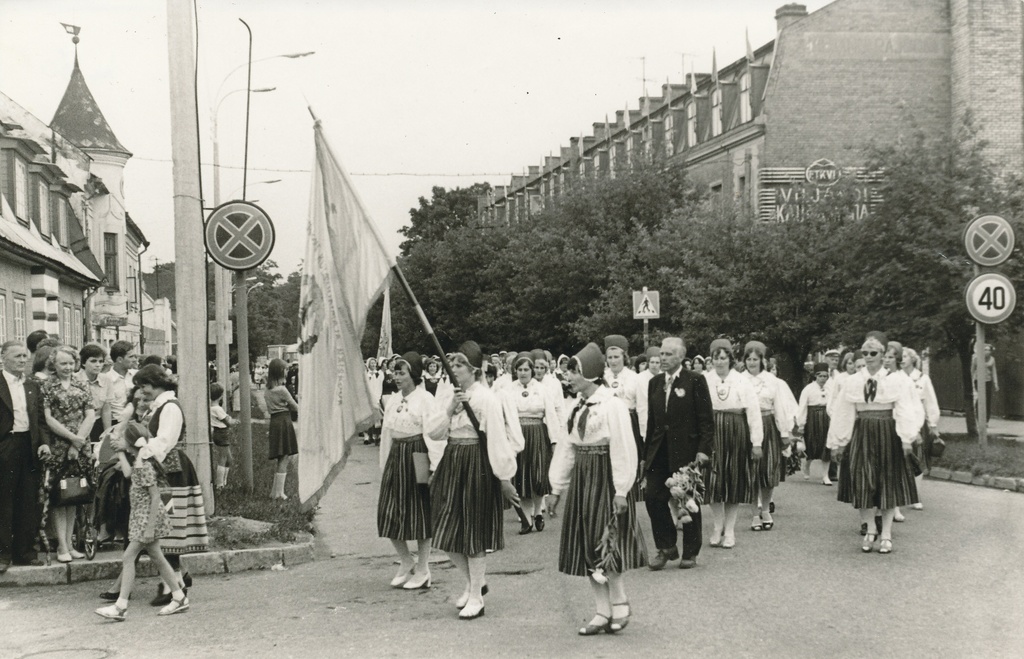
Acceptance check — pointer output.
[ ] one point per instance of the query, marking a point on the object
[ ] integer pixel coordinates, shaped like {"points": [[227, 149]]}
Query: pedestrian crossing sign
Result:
{"points": [[645, 305]]}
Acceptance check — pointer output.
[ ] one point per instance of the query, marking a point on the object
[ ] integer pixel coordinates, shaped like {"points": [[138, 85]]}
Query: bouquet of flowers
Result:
{"points": [[687, 489], [793, 453], [608, 550]]}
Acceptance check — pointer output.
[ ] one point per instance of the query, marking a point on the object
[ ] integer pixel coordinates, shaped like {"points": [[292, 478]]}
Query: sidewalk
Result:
{"points": [[996, 426]]}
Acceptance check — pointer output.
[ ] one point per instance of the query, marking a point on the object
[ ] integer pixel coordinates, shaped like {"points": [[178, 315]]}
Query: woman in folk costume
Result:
{"points": [[538, 420], [595, 468], [472, 476], [893, 362], [926, 392], [875, 422], [543, 366], [778, 417], [739, 433], [812, 422], [375, 381], [414, 425], [625, 385]]}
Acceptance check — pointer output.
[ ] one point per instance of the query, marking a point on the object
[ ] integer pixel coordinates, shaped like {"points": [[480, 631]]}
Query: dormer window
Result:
{"points": [[716, 112], [20, 189], [43, 205], [60, 229], [745, 110], [691, 124], [669, 137]]}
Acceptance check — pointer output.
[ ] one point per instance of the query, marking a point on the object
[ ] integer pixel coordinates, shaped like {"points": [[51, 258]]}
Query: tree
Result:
{"points": [[446, 210], [909, 268]]}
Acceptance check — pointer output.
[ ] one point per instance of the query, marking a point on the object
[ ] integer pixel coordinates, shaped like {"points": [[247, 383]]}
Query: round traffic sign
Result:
{"points": [[991, 298], [239, 235], [989, 240]]}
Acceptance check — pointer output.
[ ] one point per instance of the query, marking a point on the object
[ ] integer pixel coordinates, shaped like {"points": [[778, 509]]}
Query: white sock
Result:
{"points": [[122, 603]]}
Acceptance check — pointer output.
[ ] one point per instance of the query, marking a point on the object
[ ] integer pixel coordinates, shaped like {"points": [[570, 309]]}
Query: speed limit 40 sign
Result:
{"points": [[991, 298]]}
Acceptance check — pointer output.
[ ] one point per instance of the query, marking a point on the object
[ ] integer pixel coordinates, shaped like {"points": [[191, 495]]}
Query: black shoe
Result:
{"points": [[109, 597], [662, 557], [525, 527], [687, 563], [163, 599], [864, 528], [188, 581], [538, 522]]}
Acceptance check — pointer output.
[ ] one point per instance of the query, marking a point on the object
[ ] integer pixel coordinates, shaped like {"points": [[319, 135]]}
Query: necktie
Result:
{"points": [[583, 420], [669, 379], [870, 389]]}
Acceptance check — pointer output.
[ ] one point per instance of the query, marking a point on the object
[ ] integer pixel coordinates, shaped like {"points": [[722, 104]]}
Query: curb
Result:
{"points": [[985, 480], [228, 561]]}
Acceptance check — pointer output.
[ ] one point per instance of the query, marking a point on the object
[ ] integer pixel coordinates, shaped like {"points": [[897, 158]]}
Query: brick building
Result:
{"points": [[800, 111]]}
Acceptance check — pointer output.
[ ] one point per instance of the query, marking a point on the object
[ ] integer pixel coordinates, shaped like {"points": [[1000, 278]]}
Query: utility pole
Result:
{"points": [[189, 251]]}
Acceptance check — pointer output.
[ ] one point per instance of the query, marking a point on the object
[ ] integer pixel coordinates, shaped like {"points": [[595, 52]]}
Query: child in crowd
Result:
{"points": [[220, 422], [148, 522], [281, 434]]}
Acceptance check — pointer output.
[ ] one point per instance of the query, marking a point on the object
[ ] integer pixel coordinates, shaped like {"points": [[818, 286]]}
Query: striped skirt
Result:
{"points": [[880, 475], [532, 463], [845, 489], [465, 502], [634, 421], [769, 470], [188, 519], [816, 432], [588, 508], [731, 478], [403, 508]]}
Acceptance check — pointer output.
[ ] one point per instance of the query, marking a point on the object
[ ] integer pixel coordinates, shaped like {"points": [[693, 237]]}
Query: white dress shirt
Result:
{"points": [[17, 386]]}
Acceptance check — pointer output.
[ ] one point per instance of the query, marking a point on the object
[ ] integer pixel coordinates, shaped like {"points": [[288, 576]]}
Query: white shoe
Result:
{"points": [[402, 577], [418, 581], [76, 554], [826, 480], [918, 506], [112, 613], [176, 606]]}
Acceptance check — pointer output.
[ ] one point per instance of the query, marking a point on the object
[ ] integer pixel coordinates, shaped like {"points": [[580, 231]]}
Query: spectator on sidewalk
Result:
{"points": [[991, 379]]}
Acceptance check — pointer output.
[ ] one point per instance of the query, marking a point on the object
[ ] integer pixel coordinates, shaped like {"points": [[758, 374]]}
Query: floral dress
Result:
{"points": [[68, 406], [143, 478]]}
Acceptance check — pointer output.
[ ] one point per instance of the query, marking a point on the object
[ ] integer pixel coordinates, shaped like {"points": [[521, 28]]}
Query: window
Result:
{"points": [[110, 259], [61, 227], [76, 327], [20, 188], [19, 319], [44, 208], [745, 111], [716, 112], [612, 148], [67, 324], [3, 317], [691, 124], [669, 137], [629, 150]]}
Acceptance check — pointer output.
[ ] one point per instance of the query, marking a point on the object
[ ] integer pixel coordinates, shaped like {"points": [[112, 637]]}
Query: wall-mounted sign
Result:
{"points": [[786, 194]]}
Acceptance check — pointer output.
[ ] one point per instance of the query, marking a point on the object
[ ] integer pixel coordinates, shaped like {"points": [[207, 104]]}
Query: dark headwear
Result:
{"points": [[524, 355], [590, 361], [474, 355], [820, 367], [756, 346], [653, 351], [616, 341], [415, 362], [721, 343], [537, 354]]}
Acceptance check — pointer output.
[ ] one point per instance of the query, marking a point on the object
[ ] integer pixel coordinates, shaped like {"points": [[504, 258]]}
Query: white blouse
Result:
{"points": [[554, 390], [628, 387], [607, 423], [734, 392], [537, 403], [812, 395], [416, 414], [168, 432], [487, 407], [893, 391], [925, 390], [775, 398]]}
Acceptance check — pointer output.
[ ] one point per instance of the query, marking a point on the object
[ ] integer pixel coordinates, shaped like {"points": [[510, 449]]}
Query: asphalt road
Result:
{"points": [[953, 587]]}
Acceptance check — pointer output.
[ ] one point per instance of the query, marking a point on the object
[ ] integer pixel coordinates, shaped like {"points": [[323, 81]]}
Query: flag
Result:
{"points": [[345, 269], [384, 345]]}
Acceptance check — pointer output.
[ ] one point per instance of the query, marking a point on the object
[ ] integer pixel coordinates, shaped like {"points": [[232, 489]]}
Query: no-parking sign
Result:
{"points": [[239, 235]]}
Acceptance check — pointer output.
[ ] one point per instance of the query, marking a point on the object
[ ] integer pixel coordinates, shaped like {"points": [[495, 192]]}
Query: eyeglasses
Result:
{"points": [[870, 353]]}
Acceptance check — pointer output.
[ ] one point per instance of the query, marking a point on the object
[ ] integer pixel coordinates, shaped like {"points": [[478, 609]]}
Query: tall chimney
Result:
{"points": [[787, 14]]}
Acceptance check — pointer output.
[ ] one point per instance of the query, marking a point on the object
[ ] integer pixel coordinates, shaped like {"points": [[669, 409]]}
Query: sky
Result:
{"points": [[412, 95]]}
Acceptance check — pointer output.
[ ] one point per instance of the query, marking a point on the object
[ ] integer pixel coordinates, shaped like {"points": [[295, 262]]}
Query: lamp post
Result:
{"points": [[222, 277]]}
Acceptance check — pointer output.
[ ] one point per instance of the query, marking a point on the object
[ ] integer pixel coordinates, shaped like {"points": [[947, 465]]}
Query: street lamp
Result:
{"points": [[267, 182]]}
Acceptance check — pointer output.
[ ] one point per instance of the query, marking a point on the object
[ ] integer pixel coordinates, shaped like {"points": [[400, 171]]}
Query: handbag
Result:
{"points": [[421, 464], [938, 447], [73, 491], [915, 464]]}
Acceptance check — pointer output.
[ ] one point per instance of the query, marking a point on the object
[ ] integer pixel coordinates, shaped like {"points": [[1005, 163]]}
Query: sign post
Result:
{"points": [[646, 305], [990, 297], [239, 236]]}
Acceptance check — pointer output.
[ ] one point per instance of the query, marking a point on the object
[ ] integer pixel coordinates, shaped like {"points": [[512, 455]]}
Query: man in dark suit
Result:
{"points": [[680, 429], [21, 439]]}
